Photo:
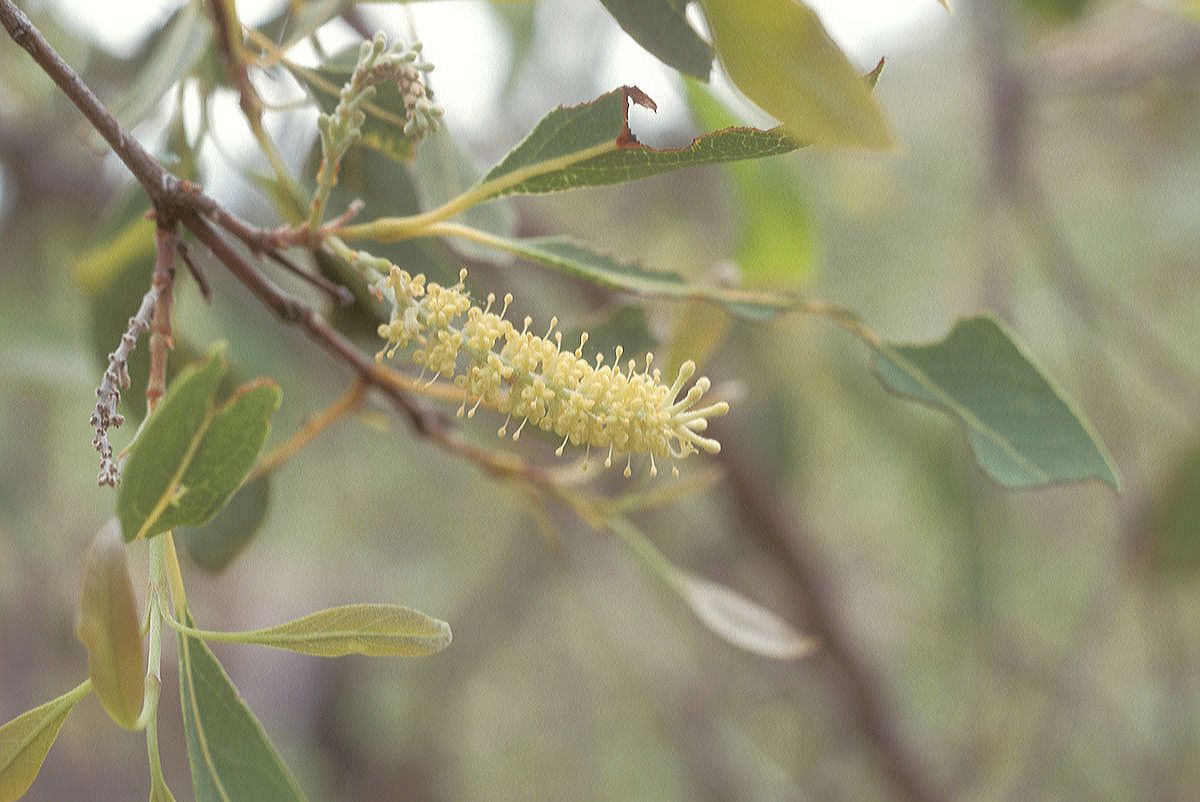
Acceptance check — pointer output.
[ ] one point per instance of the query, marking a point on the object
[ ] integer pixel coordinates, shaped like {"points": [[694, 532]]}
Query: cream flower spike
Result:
{"points": [[533, 380]]}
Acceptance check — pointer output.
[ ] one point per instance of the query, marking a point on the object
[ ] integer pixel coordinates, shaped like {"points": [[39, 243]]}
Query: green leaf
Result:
{"points": [[231, 757], [1173, 521], [176, 54], [591, 145], [662, 28], [190, 457], [376, 630], [578, 259], [779, 55], [741, 622], [776, 237], [110, 628], [26, 740], [214, 545], [1022, 429], [383, 130]]}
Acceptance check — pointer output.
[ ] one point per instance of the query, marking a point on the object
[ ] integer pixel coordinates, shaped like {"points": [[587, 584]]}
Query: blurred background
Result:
{"points": [[990, 645]]}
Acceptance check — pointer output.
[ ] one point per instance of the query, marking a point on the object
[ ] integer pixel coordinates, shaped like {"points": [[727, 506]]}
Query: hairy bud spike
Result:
{"points": [[585, 402]]}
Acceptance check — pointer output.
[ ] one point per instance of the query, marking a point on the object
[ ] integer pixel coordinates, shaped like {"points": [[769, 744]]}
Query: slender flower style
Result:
{"points": [[534, 380]]}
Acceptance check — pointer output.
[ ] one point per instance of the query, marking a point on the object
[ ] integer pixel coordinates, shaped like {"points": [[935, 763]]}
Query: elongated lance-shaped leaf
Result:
{"points": [[662, 28], [592, 145], [1023, 430], [25, 741], [725, 612], [231, 757], [110, 628], [779, 55], [581, 260], [743, 623], [177, 51], [191, 456], [376, 630]]}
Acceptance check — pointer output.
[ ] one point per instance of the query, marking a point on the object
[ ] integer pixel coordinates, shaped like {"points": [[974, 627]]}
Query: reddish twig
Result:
{"points": [[335, 291], [163, 280], [197, 273]]}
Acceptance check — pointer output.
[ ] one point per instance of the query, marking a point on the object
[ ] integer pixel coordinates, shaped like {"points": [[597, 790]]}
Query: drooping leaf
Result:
{"points": [[26, 740], [662, 28], [779, 54], [1023, 430], [383, 129], [592, 145], [110, 628], [214, 545], [376, 630], [192, 456], [776, 237], [176, 54], [579, 259], [231, 757], [743, 623], [1173, 521], [722, 610]]}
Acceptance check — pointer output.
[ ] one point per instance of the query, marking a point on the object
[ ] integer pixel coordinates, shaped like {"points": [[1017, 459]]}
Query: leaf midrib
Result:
{"points": [[168, 494], [968, 417], [194, 704]]}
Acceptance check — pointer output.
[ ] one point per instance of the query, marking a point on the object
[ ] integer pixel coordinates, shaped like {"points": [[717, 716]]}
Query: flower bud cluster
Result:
{"points": [[380, 64], [377, 64], [116, 378], [534, 380]]}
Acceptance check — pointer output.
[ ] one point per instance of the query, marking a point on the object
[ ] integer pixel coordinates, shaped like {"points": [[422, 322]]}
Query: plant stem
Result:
{"points": [[149, 716], [343, 404], [174, 575], [636, 539]]}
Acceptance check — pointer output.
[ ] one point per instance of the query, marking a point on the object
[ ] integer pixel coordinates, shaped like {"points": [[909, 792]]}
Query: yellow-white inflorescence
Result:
{"points": [[533, 380]]}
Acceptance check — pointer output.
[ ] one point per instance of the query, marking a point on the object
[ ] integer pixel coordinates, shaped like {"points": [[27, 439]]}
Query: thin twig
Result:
{"points": [[335, 291], [165, 244], [197, 274], [345, 403]]}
